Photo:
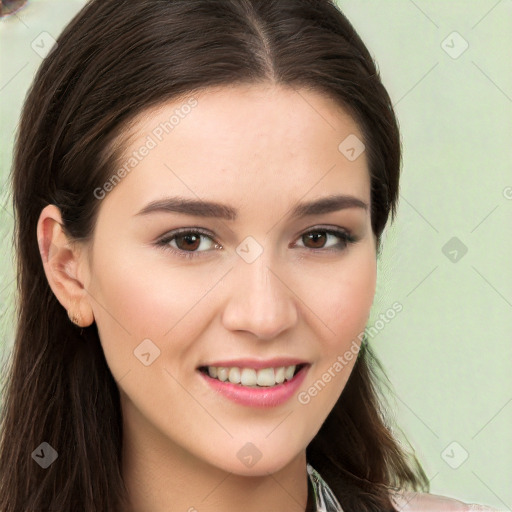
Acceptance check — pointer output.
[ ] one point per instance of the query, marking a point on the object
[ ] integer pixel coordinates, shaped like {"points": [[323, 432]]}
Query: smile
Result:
{"points": [[264, 387], [250, 377]]}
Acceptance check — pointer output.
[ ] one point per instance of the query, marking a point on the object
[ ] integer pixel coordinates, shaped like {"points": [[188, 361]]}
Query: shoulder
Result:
{"points": [[407, 501]]}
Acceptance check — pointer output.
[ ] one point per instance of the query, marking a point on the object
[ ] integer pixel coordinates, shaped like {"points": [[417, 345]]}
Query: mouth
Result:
{"points": [[251, 377], [264, 386]]}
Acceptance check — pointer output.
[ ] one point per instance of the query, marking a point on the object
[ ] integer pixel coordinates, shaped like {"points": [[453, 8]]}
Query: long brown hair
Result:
{"points": [[115, 59]]}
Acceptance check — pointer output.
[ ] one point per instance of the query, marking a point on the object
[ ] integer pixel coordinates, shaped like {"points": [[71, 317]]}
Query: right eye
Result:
{"points": [[188, 239]]}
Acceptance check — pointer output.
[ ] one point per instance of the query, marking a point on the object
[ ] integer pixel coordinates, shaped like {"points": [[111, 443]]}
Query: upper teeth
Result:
{"points": [[252, 377]]}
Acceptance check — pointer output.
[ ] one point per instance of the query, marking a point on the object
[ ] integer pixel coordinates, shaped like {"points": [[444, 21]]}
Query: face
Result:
{"points": [[259, 287]]}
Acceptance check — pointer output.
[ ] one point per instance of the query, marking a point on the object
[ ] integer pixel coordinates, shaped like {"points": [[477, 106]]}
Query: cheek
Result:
{"points": [[142, 298], [145, 296], [350, 304], [128, 303], [346, 303], [345, 309]]}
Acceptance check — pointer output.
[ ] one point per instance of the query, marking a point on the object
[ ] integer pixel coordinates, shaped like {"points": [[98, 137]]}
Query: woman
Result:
{"points": [[159, 374]]}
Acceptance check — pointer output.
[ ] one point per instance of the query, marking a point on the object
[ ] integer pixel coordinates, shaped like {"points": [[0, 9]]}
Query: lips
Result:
{"points": [[256, 395]]}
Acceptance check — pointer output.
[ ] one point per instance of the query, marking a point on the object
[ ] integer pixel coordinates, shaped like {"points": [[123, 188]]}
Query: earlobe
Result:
{"points": [[60, 260]]}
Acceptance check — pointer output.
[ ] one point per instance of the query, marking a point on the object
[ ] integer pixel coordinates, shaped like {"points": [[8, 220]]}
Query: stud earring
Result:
{"points": [[76, 319]]}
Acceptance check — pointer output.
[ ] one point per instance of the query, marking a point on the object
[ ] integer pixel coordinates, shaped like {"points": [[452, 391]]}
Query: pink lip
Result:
{"points": [[257, 364], [258, 397]]}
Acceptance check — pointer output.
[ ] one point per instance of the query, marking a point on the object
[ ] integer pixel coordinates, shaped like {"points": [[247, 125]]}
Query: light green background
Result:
{"points": [[448, 352]]}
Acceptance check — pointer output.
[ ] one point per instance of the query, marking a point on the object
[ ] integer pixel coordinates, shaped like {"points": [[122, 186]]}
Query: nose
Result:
{"points": [[260, 301]]}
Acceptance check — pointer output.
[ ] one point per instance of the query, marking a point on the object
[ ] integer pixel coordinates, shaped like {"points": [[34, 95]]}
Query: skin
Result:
{"points": [[260, 149]]}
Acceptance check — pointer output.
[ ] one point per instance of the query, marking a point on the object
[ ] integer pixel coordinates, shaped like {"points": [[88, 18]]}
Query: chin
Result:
{"points": [[251, 461]]}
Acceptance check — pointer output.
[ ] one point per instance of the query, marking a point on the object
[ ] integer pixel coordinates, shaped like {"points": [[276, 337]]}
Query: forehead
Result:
{"points": [[234, 143]]}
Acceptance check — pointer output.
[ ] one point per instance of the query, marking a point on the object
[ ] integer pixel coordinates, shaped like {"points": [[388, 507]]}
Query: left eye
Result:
{"points": [[186, 242], [346, 238]]}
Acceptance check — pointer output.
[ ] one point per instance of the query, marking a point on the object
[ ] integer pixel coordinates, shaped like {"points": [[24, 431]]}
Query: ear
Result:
{"points": [[63, 262]]}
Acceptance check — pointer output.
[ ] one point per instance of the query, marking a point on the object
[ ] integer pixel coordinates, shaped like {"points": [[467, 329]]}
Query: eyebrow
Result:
{"points": [[199, 208]]}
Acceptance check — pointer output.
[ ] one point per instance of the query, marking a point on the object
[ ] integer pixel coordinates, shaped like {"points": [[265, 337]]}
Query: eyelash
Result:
{"points": [[346, 237]]}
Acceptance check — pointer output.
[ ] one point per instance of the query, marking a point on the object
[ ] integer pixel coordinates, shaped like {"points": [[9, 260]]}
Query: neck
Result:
{"points": [[161, 476]]}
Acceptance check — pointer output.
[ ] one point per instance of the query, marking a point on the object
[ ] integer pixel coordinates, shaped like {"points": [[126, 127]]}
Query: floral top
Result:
{"points": [[323, 500]]}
